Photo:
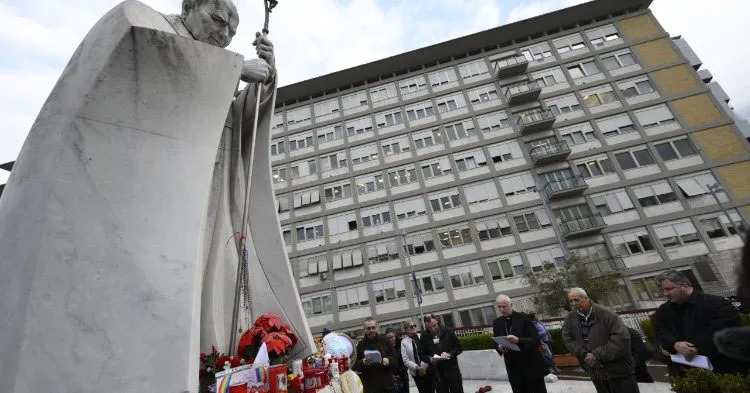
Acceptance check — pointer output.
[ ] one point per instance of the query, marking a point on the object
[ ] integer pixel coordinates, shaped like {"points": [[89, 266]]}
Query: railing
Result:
{"points": [[531, 117], [600, 266], [563, 185], [582, 224], [543, 151], [510, 61], [520, 88]]}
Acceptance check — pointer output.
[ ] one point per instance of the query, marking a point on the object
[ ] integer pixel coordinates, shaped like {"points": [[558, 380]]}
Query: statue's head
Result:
{"points": [[211, 21]]}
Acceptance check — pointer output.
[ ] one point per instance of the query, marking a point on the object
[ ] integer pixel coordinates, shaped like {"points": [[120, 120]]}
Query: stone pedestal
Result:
{"points": [[102, 219]]}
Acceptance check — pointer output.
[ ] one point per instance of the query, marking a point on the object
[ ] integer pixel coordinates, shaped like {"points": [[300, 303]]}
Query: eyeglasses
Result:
{"points": [[412, 326], [371, 328]]}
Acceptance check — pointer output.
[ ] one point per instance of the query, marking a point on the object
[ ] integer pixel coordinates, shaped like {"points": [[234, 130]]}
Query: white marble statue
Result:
{"points": [[119, 222]]}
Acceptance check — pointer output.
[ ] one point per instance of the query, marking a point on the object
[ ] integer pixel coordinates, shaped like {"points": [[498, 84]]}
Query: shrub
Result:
{"points": [[703, 381], [745, 318], [558, 344], [476, 342], [648, 331]]}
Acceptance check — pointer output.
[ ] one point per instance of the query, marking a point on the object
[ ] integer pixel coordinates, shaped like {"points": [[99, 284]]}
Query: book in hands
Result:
{"points": [[373, 356], [504, 343]]}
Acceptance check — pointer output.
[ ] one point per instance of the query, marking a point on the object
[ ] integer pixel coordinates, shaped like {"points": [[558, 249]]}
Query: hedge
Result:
{"points": [[476, 342], [558, 344], [697, 380]]}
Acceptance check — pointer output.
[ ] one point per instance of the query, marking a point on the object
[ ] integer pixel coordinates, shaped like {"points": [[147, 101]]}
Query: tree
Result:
{"points": [[553, 284]]}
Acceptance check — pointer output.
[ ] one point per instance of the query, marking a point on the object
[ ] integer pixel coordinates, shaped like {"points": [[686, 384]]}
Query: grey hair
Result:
{"points": [[578, 291], [675, 276], [502, 297]]}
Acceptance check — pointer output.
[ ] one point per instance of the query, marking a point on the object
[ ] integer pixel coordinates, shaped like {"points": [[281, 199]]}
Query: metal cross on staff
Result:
{"points": [[242, 288]]}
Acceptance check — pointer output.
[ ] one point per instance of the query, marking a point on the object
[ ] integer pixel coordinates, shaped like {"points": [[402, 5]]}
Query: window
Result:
{"points": [[352, 297], [364, 153], [654, 194], [595, 167], [310, 231], [603, 34], [382, 251], [636, 87], [493, 122], [537, 52], [548, 77], [573, 213], [420, 110], [327, 107], [578, 134], [306, 198], [304, 168], [696, 184], [346, 257], [401, 176], [583, 69], [279, 174], [375, 216], [383, 92], [473, 69], [297, 115], [599, 96], [555, 176], [647, 288], [389, 289], [358, 126], [676, 233], [354, 100], [481, 192], [618, 60], [565, 104], [409, 208], [545, 258], [720, 226], [444, 200], [675, 149], [505, 151], [335, 192], [412, 85], [654, 116], [569, 43], [426, 138], [593, 253], [277, 121], [612, 202], [442, 77], [454, 237], [469, 160], [531, 221], [317, 304], [277, 147], [420, 243], [301, 141], [342, 223], [435, 168], [287, 234], [632, 242], [506, 267], [389, 118], [480, 316], [330, 134], [460, 130], [369, 183], [282, 203], [450, 103], [518, 184], [631, 159], [482, 94], [312, 265], [615, 125], [466, 275], [333, 161], [395, 145], [431, 281], [493, 228]]}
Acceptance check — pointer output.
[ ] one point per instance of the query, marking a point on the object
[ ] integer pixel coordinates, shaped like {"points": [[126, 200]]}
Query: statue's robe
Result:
{"points": [[114, 224]]}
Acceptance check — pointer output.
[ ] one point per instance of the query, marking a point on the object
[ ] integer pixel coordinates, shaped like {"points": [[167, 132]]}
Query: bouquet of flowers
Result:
{"points": [[214, 362], [277, 336]]}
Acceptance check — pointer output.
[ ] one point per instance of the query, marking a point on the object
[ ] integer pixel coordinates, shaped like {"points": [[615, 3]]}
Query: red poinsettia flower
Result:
{"points": [[203, 356], [235, 361], [221, 360], [277, 342], [213, 349], [269, 323]]}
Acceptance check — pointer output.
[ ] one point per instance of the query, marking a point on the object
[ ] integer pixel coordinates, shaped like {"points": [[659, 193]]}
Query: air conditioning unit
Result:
{"points": [[323, 276]]}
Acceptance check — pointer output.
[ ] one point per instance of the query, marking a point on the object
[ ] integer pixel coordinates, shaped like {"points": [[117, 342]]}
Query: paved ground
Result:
{"points": [[556, 387]]}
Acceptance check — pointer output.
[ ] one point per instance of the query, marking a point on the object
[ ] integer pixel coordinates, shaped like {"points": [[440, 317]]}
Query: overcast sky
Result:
{"points": [[315, 37]]}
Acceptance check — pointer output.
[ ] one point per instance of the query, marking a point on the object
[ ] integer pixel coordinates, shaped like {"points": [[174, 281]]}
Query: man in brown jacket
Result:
{"points": [[601, 342]]}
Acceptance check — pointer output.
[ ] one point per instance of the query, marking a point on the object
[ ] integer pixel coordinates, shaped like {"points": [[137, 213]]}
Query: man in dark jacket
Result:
{"points": [[377, 377], [601, 342], [526, 368], [440, 347], [687, 322], [638, 350]]}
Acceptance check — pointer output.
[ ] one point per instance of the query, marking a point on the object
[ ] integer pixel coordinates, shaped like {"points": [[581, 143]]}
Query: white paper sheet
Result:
{"points": [[699, 361]]}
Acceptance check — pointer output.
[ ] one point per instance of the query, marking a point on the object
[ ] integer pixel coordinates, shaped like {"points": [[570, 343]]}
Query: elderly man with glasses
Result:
{"points": [[601, 342], [410, 355]]}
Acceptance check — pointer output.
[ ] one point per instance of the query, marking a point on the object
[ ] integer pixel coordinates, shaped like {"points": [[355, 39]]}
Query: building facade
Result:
{"points": [[586, 132]]}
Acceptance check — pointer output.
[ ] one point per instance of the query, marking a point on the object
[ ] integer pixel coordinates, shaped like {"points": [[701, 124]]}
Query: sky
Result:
{"points": [[316, 37]]}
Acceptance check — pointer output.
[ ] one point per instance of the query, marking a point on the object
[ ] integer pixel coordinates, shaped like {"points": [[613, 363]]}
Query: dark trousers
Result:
{"points": [[449, 380], [623, 385], [527, 385], [424, 384], [643, 375]]}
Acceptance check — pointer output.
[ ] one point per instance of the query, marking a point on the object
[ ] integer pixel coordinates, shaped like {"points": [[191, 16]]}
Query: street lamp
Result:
{"points": [[714, 189], [414, 284]]}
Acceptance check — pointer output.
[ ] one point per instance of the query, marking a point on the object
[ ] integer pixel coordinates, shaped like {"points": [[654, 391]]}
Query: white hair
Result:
{"points": [[578, 291], [501, 298]]}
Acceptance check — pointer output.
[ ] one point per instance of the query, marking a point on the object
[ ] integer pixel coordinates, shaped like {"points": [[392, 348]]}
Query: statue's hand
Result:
{"points": [[256, 70], [264, 49]]}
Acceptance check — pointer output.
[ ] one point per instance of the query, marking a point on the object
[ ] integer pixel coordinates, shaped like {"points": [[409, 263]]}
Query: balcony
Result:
{"points": [[582, 226], [511, 66], [564, 188], [607, 265], [536, 120], [544, 154], [522, 93]]}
